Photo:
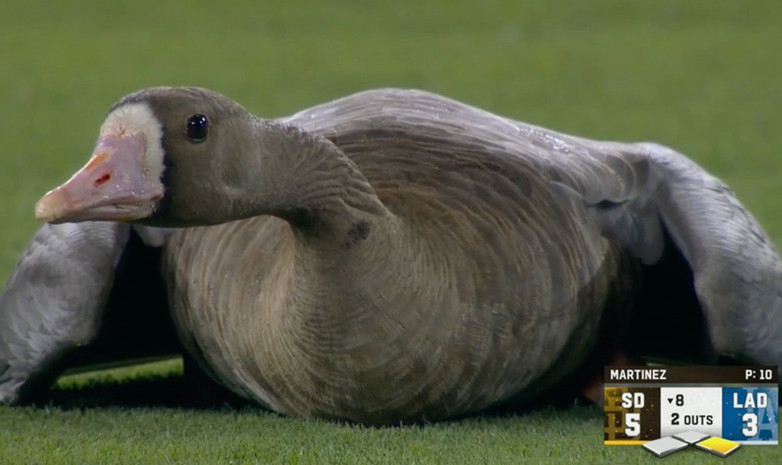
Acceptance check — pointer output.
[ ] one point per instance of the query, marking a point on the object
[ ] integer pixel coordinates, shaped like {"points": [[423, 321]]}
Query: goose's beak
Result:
{"points": [[112, 186]]}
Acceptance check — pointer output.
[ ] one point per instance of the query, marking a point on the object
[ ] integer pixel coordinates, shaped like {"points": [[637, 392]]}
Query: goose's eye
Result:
{"points": [[197, 128]]}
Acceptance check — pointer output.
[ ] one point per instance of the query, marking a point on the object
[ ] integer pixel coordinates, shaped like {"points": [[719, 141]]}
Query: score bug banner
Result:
{"points": [[643, 404]]}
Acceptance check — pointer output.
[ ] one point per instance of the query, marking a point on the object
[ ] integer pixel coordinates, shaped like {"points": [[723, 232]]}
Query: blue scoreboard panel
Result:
{"points": [[738, 403]]}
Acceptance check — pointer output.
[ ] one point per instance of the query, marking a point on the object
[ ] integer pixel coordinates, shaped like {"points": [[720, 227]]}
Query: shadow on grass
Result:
{"points": [[156, 391], [196, 391]]}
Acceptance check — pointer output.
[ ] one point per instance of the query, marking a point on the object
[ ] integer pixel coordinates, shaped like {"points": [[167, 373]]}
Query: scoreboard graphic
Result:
{"points": [[735, 403]]}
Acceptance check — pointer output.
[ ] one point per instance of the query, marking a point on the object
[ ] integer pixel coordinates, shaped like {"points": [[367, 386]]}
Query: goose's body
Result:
{"points": [[395, 255], [462, 295]]}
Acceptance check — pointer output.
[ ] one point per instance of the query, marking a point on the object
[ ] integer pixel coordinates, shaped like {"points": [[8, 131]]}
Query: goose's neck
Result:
{"points": [[308, 181]]}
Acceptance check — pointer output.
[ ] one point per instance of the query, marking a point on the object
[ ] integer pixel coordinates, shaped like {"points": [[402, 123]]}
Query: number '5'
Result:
{"points": [[632, 424]]}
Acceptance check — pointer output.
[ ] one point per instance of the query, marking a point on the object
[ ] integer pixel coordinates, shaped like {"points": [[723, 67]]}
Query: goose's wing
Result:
{"points": [[649, 198], [684, 224], [76, 296]]}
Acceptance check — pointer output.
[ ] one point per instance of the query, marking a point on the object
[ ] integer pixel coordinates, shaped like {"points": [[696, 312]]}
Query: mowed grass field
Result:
{"points": [[698, 75]]}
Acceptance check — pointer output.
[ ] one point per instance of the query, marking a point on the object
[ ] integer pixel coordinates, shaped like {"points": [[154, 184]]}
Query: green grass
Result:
{"points": [[88, 421], [698, 75]]}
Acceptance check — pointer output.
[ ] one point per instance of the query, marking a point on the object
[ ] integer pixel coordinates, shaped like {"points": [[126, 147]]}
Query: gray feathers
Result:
{"points": [[53, 301]]}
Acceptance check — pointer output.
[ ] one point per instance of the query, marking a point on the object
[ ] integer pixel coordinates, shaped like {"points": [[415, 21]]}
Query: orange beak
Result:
{"points": [[112, 186]]}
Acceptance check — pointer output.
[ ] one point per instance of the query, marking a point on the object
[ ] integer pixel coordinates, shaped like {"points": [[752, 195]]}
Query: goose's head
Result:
{"points": [[163, 156]]}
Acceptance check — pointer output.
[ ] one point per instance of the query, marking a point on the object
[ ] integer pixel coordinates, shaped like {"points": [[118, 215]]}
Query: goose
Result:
{"points": [[389, 256]]}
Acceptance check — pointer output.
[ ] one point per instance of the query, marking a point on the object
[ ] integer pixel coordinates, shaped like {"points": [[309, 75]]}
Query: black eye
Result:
{"points": [[197, 128]]}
